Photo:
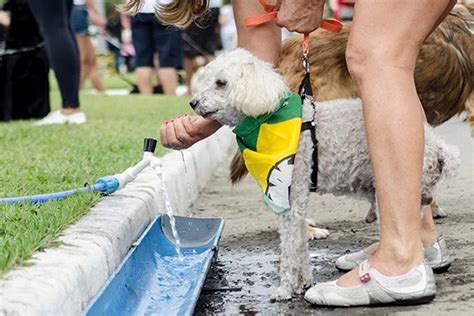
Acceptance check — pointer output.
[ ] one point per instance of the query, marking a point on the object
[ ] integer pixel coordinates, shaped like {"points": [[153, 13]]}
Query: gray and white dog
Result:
{"points": [[238, 84]]}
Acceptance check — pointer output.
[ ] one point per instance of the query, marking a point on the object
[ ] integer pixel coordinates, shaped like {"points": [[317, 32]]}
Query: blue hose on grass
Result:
{"points": [[105, 185]]}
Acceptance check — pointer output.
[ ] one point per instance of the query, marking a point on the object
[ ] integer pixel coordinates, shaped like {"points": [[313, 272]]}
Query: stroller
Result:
{"points": [[24, 66]]}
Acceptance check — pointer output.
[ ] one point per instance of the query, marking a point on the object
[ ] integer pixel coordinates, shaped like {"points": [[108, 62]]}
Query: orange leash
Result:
{"points": [[271, 14], [305, 90]]}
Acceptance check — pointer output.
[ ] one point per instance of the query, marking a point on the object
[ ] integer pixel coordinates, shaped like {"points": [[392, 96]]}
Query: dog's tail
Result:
{"points": [[238, 170]]}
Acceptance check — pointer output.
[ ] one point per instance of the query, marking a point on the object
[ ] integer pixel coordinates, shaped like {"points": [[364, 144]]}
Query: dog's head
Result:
{"points": [[235, 85]]}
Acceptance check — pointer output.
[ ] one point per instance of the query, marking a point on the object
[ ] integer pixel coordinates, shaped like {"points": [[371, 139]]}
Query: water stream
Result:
{"points": [[186, 179], [169, 212], [169, 209]]}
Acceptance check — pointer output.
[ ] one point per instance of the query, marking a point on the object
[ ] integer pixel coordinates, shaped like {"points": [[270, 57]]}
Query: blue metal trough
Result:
{"points": [[153, 279]]}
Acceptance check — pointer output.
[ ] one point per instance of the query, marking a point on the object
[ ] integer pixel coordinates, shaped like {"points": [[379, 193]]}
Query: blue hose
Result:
{"points": [[105, 185]]}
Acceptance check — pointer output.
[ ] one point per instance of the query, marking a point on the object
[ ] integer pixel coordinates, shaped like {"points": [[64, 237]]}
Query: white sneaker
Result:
{"points": [[351, 260], [436, 256], [57, 117], [415, 287]]}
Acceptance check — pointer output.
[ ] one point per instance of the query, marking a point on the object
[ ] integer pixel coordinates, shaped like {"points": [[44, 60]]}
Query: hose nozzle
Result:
{"points": [[149, 145]]}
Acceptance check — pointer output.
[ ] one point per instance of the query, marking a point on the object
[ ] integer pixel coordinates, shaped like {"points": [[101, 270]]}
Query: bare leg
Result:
{"points": [[189, 69], [169, 80], [94, 76], [156, 63], [264, 40], [381, 54], [144, 75], [88, 62], [81, 44], [428, 232]]}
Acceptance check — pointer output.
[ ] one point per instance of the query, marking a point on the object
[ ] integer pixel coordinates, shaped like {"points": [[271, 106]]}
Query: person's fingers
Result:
{"points": [[186, 130], [277, 6], [180, 131], [281, 21], [302, 16], [188, 124], [173, 141], [163, 139]]}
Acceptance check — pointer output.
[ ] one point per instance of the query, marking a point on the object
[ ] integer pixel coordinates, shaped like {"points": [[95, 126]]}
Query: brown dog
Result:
{"points": [[444, 73]]}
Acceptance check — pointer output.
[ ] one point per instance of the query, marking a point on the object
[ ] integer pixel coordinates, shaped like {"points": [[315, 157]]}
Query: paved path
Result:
{"points": [[245, 273]]}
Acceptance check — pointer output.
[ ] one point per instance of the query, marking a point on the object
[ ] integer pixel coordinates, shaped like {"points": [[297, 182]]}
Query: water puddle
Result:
{"points": [[245, 275]]}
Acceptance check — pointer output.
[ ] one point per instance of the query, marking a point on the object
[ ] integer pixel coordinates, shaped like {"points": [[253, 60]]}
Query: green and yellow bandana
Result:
{"points": [[268, 144]]}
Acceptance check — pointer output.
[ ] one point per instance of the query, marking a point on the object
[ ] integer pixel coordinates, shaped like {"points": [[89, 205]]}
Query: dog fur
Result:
{"points": [[444, 73], [237, 84], [444, 77]]}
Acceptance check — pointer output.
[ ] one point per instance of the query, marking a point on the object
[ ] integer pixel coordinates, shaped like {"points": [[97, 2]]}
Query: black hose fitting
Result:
{"points": [[149, 145]]}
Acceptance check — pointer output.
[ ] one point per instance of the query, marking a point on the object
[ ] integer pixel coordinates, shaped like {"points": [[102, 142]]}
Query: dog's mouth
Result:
{"points": [[207, 114]]}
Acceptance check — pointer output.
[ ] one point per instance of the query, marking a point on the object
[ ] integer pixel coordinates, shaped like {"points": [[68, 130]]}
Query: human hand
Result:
{"points": [[302, 16], [100, 22], [5, 18], [185, 131]]}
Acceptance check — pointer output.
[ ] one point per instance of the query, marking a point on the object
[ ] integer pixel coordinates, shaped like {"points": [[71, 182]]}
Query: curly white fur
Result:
{"points": [[238, 84]]}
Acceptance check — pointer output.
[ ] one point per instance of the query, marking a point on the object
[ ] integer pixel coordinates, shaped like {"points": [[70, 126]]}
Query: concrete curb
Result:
{"points": [[63, 280]]}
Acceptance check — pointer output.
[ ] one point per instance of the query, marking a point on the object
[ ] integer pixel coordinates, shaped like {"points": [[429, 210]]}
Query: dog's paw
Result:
{"points": [[317, 233], [370, 217], [300, 290], [438, 212], [313, 232], [280, 294]]}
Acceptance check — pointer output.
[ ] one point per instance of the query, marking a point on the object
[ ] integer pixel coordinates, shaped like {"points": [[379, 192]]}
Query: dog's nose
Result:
{"points": [[193, 103]]}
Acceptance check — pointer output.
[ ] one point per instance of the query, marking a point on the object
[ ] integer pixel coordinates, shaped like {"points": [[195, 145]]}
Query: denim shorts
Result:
{"points": [[80, 20], [151, 36]]}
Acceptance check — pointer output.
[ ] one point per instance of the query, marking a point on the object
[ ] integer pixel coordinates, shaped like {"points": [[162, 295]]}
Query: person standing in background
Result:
{"points": [[53, 17], [228, 29], [201, 39], [81, 11], [150, 36]]}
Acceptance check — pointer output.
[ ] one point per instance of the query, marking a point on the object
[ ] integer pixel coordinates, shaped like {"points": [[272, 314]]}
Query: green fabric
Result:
{"points": [[247, 131], [268, 144]]}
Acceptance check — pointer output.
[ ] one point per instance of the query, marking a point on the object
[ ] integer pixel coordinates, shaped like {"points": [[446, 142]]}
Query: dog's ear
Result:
{"points": [[257, 90]]}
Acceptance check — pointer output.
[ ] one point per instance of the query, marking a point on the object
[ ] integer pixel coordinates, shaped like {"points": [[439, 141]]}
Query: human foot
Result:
{"points": [[416, 286], [58, 117], [436, 256]]}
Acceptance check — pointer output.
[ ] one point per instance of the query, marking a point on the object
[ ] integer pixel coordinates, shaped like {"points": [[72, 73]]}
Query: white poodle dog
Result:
{"points": [[237, 84]]}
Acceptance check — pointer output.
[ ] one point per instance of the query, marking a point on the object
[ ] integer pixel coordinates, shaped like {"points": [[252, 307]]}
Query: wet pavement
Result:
{"points": [[245, 272]]}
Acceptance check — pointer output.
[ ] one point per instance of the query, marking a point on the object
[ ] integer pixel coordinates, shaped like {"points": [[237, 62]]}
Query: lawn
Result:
{"points": [[55, 158]]}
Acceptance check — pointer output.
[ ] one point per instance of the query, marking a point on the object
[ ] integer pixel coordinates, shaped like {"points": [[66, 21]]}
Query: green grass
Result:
{"points": [[55, 158], [111, 81]]}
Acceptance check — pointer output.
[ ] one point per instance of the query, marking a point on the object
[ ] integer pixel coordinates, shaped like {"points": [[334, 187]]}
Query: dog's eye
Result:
{"points": [[221, 83]]}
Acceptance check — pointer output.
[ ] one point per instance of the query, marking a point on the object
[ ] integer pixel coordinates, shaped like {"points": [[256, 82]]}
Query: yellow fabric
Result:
{"points": [[275, 142]]}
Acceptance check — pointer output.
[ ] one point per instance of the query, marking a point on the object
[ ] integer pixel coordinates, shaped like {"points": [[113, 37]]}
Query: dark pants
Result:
{"points": [[150, 36], [53, 17], [24, 92]]}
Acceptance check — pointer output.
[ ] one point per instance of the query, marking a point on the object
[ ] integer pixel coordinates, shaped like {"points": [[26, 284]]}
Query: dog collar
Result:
{"points": [[268, 145]]}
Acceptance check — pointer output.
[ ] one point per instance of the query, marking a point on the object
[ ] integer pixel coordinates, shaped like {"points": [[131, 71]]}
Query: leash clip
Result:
{"points": [[305, 62]]}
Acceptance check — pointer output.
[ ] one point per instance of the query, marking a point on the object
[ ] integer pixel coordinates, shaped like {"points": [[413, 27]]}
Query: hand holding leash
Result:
{"points": [[300, 16], [273, 13]]}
